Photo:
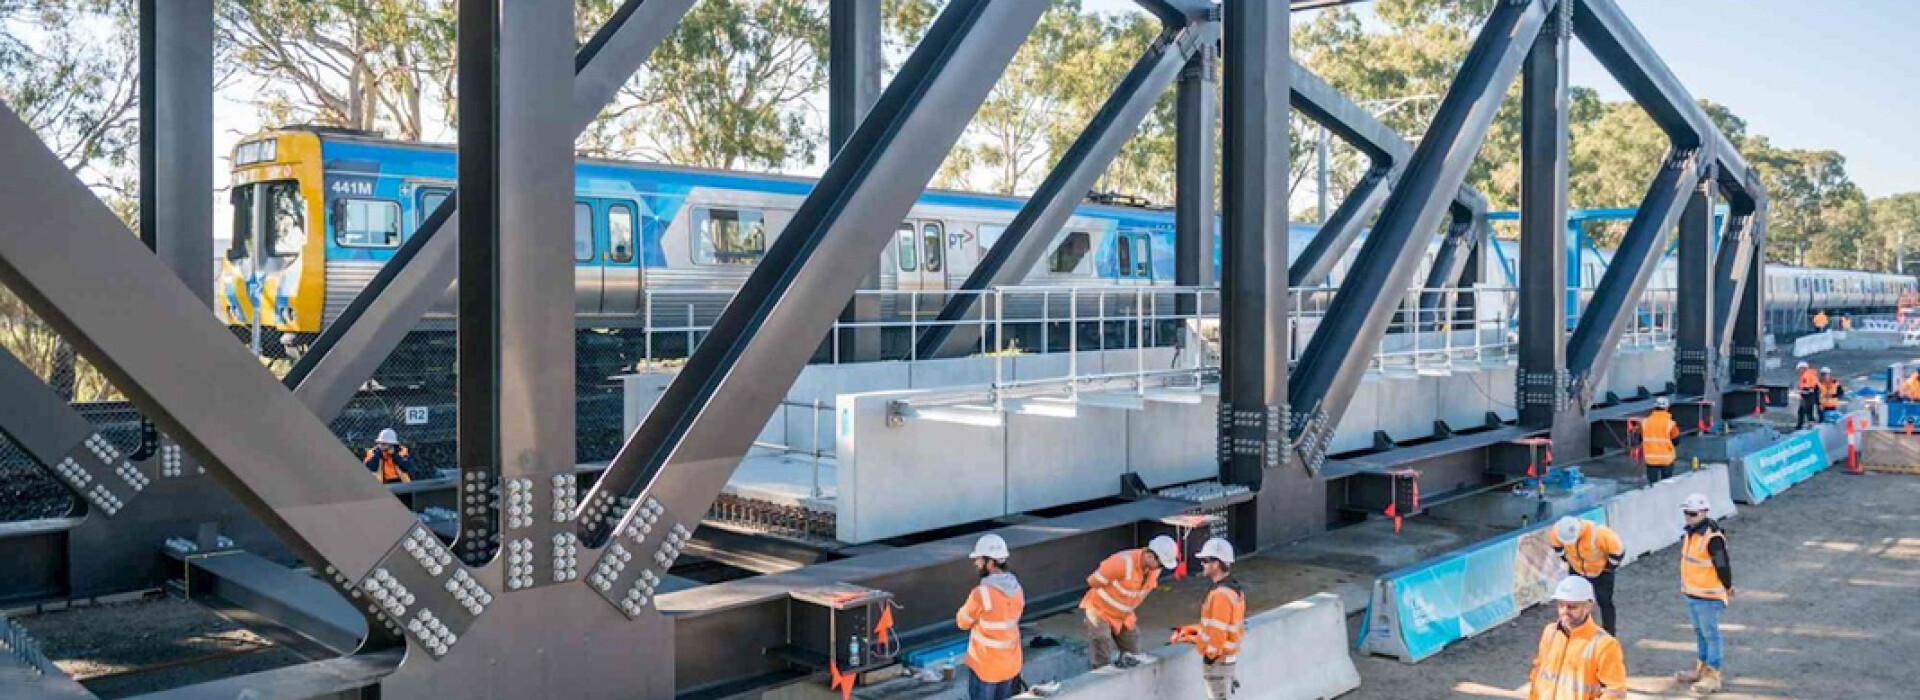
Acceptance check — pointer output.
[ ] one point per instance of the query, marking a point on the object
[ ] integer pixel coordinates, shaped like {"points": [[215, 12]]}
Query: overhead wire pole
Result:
{"points": [[1185, 32], [853, 83], [347, 352], [1542, 385], [1343, 345], [1255, 337]]}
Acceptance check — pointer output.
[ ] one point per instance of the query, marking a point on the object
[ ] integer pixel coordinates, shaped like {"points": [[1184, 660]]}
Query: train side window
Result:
{"points": [[1072, 249], [933, 246], [1142, 257], [1125, 251], [620, 233], [728, 236], [366, 223], [908, 253], [429, 201], [582, 232]]}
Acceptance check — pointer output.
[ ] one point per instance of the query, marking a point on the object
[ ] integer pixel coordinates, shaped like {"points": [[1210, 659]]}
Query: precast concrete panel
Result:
{"points": [[920, 475], [1056, 461], [1363, 416], [1170, 443]]}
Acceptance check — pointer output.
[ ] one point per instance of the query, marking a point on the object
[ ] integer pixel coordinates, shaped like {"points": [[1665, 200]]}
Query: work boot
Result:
{"points": [[1709, 682], [1693, 674]]}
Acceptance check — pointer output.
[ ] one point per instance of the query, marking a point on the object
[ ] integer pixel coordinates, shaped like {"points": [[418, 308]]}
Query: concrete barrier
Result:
{"points": [[1812, 344], [1297, 651], [1649, 519]]}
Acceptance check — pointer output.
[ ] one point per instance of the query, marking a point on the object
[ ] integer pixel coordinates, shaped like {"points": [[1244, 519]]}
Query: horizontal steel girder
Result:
{"points": [[70, 259], [1331, 367], [348, 352]]}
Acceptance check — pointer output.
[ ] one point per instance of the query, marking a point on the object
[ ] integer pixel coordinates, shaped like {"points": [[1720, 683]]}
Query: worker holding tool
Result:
{"points": [[1592, 551], [1577, 660], [1706, 579], [389, 461], [1222, 620], [1657, 434], [1830, 392], [992, 617], [1809, 386], [1115, 589]]}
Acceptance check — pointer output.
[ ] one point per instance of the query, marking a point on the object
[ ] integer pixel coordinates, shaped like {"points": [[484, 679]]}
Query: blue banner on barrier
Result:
{"points": [[1783, 464], [1444, 600]]}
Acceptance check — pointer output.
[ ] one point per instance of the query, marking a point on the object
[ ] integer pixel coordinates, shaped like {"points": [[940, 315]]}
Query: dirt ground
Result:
{"points": [[1828, 575]]}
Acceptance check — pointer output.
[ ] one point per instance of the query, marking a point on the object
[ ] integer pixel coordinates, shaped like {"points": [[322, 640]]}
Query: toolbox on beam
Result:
{"points": [[840, 627]]}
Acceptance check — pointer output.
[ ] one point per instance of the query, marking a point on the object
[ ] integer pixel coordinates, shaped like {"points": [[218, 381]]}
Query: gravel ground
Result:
{"points": [[143, 646], [1827, 574]]}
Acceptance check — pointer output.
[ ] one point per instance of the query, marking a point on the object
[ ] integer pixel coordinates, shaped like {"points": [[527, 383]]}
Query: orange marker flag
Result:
{"points": [[885, 626], [841, 682]]}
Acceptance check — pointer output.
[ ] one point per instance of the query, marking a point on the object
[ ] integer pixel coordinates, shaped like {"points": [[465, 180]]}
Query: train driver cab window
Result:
{"points": [[286, 219], [728, 236], [933, 246], [241, 247], [366, 223], [1072, 249], [582, 232], [908, 252], [620, 233]]}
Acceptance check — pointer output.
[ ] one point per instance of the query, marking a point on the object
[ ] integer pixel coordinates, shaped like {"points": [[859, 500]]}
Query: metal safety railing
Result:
{"points": [[816, 446]]}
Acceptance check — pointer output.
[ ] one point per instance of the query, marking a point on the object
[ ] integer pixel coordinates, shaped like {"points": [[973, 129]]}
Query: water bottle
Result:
{"points": [[853, 651]]}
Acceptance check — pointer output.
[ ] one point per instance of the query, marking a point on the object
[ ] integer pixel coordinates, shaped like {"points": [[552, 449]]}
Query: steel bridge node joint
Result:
{"points": [[628, 585], [420, 591]]}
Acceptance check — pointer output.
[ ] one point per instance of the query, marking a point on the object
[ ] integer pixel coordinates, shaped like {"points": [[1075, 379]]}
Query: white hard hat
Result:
{"points": [[1802, 365], [1574, 589], [1662, 402], [1696, 503], [387, 437], [991, 547], [1568, 529], [1826, 370], [1164, 550], [1217, 548]]}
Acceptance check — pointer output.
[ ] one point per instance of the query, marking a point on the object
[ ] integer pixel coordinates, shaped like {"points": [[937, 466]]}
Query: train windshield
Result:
{"points": [[284, 210]]}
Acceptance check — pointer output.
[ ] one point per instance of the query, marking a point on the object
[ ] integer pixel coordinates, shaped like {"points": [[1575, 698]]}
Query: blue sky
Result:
{"points": [[1832, 74]]}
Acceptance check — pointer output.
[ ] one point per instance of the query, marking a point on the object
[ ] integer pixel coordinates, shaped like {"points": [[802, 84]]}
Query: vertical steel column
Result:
{"points": [[534, 332], [176, 138], [1750, 320], [681, 456], [1254, 333], [1343, 345], [1696, 366], [1194, 145], [478, 378], [1027, 239], [1543, 388], [853, 83], [379, 318]]}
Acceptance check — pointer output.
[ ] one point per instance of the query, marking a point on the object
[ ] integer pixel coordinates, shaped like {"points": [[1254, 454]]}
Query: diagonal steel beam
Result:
{"points": [[1336, 357], [61, 441], [127, 314], [347, 352], [1590, 350], [1448, 270], [1027, 238], [676, 462]]}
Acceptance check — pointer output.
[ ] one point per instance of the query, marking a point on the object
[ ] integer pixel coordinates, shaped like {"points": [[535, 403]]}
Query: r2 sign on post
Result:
{"points": [[416, 415]]}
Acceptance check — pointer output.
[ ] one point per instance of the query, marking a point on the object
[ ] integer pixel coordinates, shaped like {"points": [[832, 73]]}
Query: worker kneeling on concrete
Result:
{"points": [[1222, 621], [1577, 660], [1592, 551], [1115, 589], [1657, 434], [992, 616], [1706, 579]]}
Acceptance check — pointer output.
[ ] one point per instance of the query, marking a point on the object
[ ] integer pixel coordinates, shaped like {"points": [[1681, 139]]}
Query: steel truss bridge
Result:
{"points": [[552, 588]]}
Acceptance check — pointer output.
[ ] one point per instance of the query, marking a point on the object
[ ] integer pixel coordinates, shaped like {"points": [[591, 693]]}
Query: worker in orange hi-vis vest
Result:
{"points": [[1114, 590], [991, 616], [1809, 386], [1576, 660], [1222, 621], [1657, 434], [1706, 580], [389, 461], [1820, 322]]}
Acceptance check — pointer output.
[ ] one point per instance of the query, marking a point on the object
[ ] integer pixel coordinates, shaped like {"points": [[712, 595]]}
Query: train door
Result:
{"points": [[920, 257], [586, 270], [1133, 263], [620, 259]]}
